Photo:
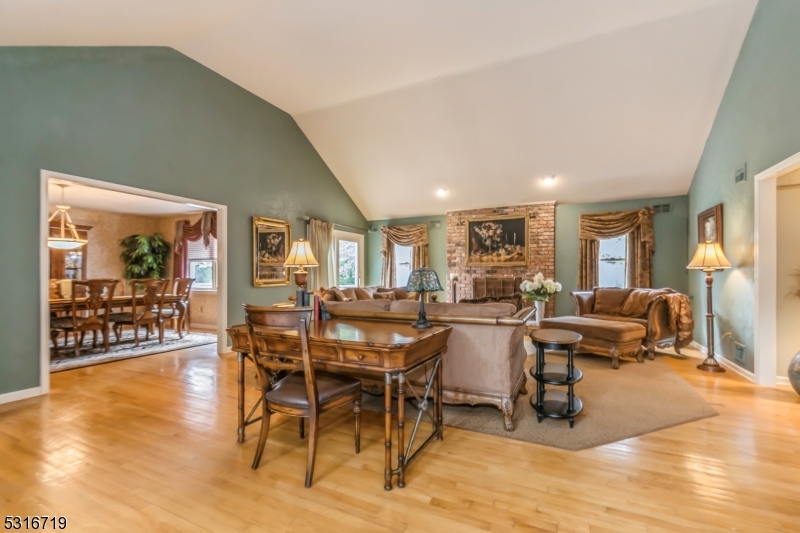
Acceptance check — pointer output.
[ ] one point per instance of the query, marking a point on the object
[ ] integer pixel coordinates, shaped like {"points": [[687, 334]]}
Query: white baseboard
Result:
{"points": [[22, 395], [782, 380], [730, 365]]}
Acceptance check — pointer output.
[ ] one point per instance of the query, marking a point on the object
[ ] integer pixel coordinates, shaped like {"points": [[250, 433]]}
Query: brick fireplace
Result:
{"points": [[541, 238]]}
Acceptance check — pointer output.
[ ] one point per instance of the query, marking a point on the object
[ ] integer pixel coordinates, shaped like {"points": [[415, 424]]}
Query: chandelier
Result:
{"points": [[64, 242]]}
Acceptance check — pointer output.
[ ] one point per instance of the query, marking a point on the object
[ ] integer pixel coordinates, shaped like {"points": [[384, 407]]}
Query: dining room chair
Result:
{"points": [[304, 393], [178, 311], [95, 296], [147, 309]]}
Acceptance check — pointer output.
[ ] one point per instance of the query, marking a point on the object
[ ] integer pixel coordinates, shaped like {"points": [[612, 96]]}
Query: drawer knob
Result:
{"points": [[361, 357]]}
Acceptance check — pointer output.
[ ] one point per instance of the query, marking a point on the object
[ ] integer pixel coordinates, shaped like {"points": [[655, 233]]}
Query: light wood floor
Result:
{"points": [[150, 445]]}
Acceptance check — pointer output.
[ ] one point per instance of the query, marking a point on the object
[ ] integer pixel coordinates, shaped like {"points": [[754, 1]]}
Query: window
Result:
{"points": [[611, 271], [402, 263], [349, 258], [202, 264]]}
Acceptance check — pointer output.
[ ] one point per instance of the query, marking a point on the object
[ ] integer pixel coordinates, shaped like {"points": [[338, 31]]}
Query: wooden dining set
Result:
{"points": [[94, 307]]}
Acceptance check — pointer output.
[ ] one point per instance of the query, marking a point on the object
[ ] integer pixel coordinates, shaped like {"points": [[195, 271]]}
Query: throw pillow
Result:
{"points": [[609, 301], [349, 293], [341, 296], [328, 295], [385, 296], [400, 293], [363, 293], [636, 304]]}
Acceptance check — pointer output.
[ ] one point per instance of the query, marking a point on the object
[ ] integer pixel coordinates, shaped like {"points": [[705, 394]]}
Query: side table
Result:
{"points": [[556, 403]]}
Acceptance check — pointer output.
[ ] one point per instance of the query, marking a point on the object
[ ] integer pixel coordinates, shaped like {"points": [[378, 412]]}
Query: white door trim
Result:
{"points": [[766, 260], [44, 270], [355, 237]]}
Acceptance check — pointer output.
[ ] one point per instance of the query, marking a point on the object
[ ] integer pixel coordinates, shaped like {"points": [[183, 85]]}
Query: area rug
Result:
{"points": [[617, 404], [124, 350]]}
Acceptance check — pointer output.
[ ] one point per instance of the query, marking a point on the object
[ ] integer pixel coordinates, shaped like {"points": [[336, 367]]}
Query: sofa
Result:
{"points": [[485, 360], [356, 294], [652, 308]]}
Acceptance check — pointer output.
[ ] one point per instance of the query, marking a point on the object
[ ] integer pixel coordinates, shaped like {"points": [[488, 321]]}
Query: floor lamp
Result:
{"points": [[709, 257]]}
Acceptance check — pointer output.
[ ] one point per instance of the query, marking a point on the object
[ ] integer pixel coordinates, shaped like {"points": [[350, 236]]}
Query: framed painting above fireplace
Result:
{"points": [[497, 241]]}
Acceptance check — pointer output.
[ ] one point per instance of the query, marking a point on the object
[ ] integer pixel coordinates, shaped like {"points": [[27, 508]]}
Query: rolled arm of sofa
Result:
{"points": [[659, 326], [584, 302]]}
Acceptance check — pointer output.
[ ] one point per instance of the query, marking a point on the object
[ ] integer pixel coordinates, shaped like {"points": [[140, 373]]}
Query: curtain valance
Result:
{"points": [[638, 225], [204, 228], [413, 235]]}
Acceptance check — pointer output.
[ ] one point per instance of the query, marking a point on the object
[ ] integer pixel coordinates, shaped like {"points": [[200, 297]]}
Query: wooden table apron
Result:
{"points": [[364, 348]]}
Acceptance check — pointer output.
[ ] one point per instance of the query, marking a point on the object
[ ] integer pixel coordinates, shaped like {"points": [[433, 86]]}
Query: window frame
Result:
{"points": [[349, 236], [214, 261]]}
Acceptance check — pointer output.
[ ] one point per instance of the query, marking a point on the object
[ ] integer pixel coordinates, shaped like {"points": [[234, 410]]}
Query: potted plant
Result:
{"points": [[145, 256], [539, 291]]}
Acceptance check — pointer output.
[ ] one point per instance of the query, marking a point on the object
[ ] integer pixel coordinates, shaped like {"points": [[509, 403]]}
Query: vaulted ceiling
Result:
{"points": [[482, 98]]}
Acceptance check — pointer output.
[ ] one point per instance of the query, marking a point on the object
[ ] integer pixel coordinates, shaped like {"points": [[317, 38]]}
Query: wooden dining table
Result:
{"points": [[64, 305], [365, 349]]}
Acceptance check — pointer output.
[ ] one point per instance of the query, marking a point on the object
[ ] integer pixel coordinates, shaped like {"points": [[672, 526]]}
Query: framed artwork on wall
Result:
{"points": [[271, 241], [709, 225], [497, 241]]}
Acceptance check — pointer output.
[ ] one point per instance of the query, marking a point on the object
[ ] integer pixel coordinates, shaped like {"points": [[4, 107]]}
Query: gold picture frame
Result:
{"points": [[501, 240], [709, 225], [272, 240]]}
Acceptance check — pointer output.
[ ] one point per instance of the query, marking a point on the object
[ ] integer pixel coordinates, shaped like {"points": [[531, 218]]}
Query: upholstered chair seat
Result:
{"points": [[291, 390], [64, 322]]}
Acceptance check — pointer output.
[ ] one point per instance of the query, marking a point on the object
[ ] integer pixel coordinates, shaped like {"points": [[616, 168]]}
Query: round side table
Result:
{"points": [[556, 403]]}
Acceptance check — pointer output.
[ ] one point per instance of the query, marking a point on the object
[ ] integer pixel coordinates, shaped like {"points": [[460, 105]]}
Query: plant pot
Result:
{"points": [[540, 306], [794, 372]]}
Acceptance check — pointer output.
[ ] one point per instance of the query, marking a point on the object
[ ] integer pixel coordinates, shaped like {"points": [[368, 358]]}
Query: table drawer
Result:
{"points": [[283, 346], [329, 353], [364, 357]]}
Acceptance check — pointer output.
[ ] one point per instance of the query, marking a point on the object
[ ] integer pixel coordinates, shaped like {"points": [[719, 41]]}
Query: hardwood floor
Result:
{"points": [[149, 444]]}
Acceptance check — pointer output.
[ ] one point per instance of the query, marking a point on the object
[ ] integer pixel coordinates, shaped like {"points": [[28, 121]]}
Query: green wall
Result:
{"points": [[149, 118], [437, 247], [758, 123], [669, 259]]}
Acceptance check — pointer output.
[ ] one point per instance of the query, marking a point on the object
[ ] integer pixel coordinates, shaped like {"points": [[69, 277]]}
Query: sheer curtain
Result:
{"points": [[320, 236], [416, 236], [638, 225]]}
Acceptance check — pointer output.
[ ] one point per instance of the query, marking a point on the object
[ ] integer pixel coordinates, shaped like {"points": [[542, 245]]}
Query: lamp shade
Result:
{"points": [[301, 255], [709, 256], [423, 279]]}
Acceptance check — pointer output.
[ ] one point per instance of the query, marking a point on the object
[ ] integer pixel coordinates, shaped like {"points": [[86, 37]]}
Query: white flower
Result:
{"points": [[558, 287], [549, 286], [526, 286], [536, 285], [538, 277]]}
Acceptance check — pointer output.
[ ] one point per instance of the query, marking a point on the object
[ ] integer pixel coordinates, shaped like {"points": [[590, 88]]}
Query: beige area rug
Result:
{"points": [[617, 405], [124, 350]]}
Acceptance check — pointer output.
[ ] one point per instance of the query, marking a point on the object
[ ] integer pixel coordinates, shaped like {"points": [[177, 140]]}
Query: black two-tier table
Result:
{"points": [[555, 403]]}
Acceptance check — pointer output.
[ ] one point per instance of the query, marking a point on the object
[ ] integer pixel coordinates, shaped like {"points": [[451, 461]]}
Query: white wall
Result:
{"points": [[788, 302]]}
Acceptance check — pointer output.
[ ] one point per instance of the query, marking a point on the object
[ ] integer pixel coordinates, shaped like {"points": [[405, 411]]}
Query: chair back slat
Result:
{"points": [[281, 318], [152, 292], [98, 295], [183, 287]]}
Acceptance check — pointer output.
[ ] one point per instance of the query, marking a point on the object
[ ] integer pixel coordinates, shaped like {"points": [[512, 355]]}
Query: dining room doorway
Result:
{"points": [[106, 216]]}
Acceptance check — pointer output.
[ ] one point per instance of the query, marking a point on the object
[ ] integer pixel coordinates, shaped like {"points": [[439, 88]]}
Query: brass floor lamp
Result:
{"points": [[709, 258]]}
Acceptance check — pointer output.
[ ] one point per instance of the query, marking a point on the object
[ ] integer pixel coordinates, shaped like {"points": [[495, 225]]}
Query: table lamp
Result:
{"points": [[423, 280], [709, 257], [301, 256]]}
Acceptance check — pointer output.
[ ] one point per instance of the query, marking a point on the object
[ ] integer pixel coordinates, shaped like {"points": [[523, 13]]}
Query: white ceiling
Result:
{"points": [[78, 195], [482, 97]]}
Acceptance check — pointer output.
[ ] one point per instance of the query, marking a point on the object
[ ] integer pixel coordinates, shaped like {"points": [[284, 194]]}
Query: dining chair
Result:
{"points": [[145, 311], [97, 308], [179, 311], [305, 393]]}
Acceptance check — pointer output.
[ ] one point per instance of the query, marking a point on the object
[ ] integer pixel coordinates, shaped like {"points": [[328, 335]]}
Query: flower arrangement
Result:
{"points": [[539, 289]]}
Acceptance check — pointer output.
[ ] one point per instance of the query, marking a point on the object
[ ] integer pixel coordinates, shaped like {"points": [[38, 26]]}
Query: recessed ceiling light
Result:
{"points": [[441, 193], [549, 180]]}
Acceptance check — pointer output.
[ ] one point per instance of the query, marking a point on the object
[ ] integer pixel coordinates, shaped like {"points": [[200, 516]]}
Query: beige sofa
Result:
{"points": [[485, 360]]}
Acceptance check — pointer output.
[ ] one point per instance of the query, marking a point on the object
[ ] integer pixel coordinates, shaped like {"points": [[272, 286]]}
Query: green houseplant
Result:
{"points": [[145, 256]]}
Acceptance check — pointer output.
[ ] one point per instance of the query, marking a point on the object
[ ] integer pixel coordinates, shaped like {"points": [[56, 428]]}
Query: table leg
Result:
{"points": [[401, 416], [240, 394], [539, 370], [439, 390], [387, 427]]}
